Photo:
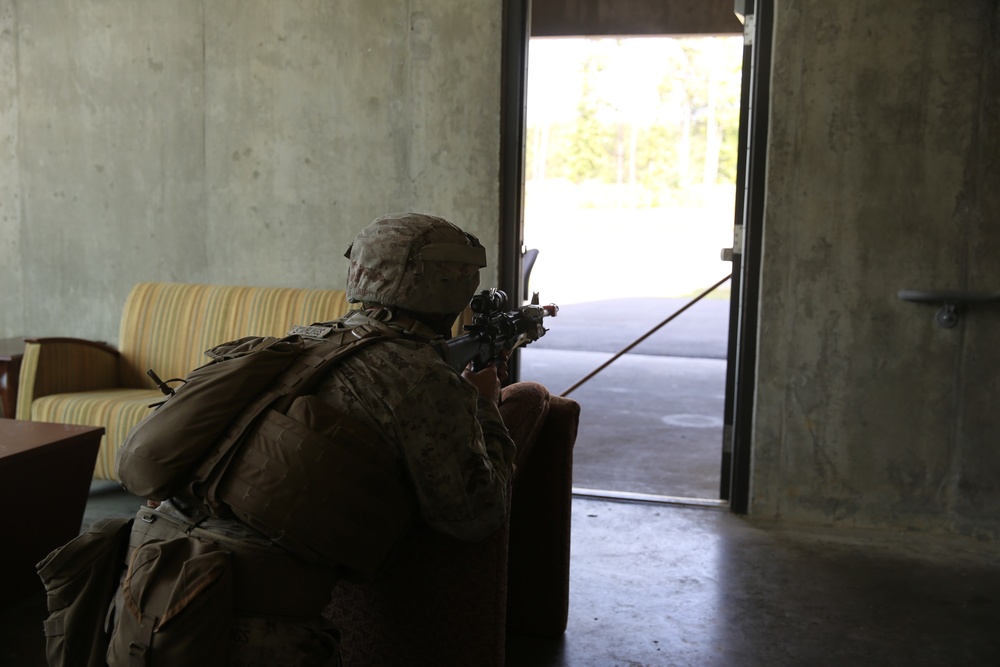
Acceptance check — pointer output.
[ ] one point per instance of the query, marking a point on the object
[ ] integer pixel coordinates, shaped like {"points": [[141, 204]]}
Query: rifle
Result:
{"points": [[495, 330]]}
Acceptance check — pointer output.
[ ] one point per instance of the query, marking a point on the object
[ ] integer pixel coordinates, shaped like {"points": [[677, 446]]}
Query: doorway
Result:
{"points": [[629, 191]]}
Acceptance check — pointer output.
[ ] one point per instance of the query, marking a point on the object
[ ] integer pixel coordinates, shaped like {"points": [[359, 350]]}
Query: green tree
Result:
{"points": [[689, 138], [592, 141]]}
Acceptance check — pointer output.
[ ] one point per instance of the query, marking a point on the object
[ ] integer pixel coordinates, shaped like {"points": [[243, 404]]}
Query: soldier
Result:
{"points": [[413, 274]]}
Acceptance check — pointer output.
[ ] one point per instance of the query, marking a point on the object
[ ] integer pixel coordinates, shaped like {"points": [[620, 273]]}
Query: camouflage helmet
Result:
{"points": [[414, 261]]}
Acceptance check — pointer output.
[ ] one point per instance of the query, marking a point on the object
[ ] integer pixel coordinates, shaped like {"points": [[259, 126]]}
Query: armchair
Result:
{"points": [[444, 602]]}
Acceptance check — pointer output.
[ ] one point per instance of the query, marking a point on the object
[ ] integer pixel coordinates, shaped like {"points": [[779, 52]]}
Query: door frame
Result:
{"points": [[744, 313], [516, 32]]}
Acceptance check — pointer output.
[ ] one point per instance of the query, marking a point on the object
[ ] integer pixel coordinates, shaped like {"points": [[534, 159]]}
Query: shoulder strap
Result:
{"points": [[317, 356]]}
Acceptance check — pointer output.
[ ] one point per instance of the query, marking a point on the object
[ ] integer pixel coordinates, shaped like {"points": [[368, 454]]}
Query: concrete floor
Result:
{"points": [[652, 421], [678, 585], [681, 585], [648, 424]]}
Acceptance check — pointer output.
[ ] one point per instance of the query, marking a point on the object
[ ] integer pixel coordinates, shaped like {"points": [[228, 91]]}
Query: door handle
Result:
{"points": [[951, 302], [737, 249]]}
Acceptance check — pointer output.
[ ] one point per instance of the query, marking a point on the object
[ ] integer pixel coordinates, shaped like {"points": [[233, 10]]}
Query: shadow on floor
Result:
{"points": [[656, 585]]}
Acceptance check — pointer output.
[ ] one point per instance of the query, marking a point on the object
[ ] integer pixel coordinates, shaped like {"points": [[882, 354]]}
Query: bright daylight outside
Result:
{"points": [[631, 153]]}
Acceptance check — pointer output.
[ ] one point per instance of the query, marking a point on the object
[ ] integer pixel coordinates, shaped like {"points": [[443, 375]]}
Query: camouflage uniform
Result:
{"points": [[450, 439]]}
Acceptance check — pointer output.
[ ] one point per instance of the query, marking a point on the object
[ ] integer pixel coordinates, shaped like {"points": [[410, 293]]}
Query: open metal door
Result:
{"points": [[745, 254], [746, 251]]}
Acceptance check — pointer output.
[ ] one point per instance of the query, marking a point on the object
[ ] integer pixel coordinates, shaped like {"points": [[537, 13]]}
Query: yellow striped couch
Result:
{"points": [[165, 327]]}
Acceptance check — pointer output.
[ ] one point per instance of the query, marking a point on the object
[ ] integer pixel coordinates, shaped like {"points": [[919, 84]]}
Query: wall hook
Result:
{"points": [[951, 302]]}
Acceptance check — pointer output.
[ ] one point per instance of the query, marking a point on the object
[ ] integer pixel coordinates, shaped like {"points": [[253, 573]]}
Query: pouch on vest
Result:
{"points": [[80, 580], [320, 483], [174, 607], [162, 450]]}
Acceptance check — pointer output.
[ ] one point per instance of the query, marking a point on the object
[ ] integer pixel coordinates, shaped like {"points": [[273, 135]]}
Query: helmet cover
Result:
{"points": [[414, 261]]}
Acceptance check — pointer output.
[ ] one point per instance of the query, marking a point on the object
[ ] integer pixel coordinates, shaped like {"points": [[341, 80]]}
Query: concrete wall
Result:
{"points": [[882, 176], [230, 142], [246, 142], [11, 284]]}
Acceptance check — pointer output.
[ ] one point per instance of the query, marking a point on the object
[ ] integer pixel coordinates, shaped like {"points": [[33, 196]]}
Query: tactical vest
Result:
{"points": [[318, 483]]}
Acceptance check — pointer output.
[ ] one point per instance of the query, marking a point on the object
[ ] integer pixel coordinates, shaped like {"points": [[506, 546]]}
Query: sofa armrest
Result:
{"points": [[64, 365], [540, 522]]}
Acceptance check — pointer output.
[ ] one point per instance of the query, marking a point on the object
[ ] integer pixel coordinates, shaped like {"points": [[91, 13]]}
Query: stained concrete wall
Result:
{"points": [[230, 142], [11, 285], [882, 176], [245, 142]]}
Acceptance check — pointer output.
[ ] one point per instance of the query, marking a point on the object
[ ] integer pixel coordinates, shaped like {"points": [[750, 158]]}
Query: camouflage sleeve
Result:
{"points": [[458, 453]]}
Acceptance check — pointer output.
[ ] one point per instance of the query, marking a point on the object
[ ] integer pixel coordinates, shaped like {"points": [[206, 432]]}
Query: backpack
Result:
{"points": [[80, 579], [174, 606], [245, 437], [199, 425]]}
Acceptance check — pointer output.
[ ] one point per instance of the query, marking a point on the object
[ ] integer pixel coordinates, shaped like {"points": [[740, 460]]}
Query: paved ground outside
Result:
{"points": [[652, 421]]}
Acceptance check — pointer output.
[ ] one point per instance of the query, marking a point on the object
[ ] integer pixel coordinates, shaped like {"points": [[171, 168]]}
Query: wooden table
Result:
{"points": [[11, 352], [45, 475]]}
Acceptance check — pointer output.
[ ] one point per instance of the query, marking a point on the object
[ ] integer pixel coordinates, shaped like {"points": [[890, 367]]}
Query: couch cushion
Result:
{"points": [[118, 410], [167, 327]]}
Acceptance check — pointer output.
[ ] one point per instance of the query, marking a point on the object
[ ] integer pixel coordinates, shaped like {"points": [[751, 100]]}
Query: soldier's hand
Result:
{"points": [[486, 381], [503, 369]]}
